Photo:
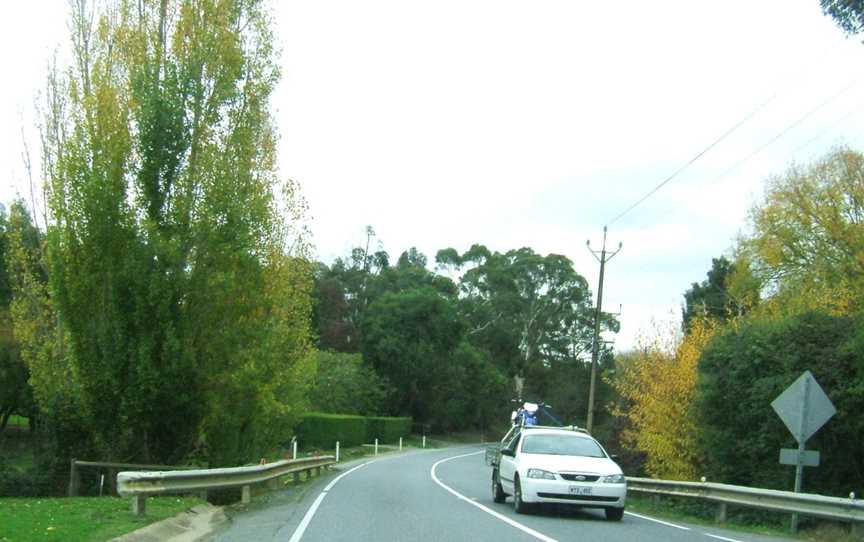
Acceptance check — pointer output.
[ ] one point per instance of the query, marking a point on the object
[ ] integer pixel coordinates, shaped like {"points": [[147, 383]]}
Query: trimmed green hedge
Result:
{"points": [[323, 430], [387, 430]]}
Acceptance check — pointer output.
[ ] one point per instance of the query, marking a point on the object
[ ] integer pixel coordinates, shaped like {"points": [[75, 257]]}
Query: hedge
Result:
{"points": [[323, 430], [387, 430]]}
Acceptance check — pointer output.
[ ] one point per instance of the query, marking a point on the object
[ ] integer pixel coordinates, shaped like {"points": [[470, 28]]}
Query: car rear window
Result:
{"points": [[561, 445]]}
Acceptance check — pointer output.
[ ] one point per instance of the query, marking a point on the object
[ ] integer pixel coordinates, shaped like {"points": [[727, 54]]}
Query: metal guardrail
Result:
{"points": [[806, 504], [112, 470], [140, 485]]}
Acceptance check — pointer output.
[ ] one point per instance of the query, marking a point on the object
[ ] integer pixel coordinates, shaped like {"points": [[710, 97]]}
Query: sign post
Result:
{"points": [[804, 408]]}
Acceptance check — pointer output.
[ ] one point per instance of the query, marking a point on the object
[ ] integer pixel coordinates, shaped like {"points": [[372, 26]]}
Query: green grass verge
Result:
{"points": [[745, 520], [80, 519]]}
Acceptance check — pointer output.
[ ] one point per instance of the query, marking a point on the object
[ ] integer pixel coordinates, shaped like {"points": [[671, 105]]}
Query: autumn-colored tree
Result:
{"points": [[172, 264], [657, 384], [806, 248]]}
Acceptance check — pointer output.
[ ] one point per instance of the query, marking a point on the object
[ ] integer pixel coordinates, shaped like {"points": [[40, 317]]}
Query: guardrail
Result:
{"points": [[112, 470], [806, 504], [140, 485]]}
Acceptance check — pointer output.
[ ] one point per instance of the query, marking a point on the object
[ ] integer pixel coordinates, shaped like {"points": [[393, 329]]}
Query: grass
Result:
{"points": [[19, 422], [738, 519], [80, 519]]}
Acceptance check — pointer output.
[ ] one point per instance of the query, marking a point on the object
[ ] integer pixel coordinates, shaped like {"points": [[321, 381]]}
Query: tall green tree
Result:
{"points": [[523, 308], [187, 318], [848, 14], [711, 297], [410, 338], [15, 392]]}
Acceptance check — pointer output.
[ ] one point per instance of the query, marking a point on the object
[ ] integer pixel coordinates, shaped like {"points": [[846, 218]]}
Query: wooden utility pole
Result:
{"points": [[595, 351]]}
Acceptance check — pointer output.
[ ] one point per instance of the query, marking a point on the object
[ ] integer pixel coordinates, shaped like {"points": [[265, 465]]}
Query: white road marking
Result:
{"points": [[658, 521], [721, 537], [304, 523], [505, 519], [298, 533], [344, 474]]}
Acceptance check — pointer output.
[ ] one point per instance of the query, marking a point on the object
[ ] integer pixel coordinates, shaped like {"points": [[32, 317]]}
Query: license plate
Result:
{"points": [[580, 490]]}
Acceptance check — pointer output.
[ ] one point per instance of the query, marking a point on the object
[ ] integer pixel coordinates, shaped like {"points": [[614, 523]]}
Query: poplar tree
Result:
{"points": [[169, 231]]}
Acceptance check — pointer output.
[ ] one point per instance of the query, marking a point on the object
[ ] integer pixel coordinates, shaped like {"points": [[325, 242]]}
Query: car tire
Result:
{"points": [[518, 504], [614, 514], [498, 494]]}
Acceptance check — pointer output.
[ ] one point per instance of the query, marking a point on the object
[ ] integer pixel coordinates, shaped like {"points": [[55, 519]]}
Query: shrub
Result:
{"points": [[344, 385]]}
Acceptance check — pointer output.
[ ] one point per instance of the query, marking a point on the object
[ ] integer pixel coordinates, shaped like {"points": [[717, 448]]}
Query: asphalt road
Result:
{"points": [[437, 495]]}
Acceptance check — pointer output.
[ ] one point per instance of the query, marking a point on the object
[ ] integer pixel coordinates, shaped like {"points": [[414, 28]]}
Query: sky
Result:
{"points": [[510, 124]]}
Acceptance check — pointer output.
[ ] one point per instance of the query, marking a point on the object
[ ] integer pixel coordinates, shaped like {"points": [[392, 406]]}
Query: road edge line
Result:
{"points": [[525, 529], [660, 521], [307, 518]]}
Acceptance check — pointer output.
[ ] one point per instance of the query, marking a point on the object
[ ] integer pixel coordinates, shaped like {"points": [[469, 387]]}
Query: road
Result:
{"points": [[436, 495]]}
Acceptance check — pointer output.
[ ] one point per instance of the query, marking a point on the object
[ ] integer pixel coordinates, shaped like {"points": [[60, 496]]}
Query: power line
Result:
{"points": [[849, 114], [685, 166], [771, 141], [825, 53]]}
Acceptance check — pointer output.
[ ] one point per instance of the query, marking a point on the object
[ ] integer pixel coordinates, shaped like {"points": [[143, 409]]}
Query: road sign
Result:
{"points": [[804, 408], [807, 458], [804, 401]]}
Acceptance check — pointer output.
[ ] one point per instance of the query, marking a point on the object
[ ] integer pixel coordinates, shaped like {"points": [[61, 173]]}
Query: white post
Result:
{"points": [[294, 450], [337, 451], [424, 441], [376, 446], [400, 444]]}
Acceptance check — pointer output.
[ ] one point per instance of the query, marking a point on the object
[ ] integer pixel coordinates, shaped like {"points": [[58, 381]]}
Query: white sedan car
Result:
{"points": [[558, 465]]}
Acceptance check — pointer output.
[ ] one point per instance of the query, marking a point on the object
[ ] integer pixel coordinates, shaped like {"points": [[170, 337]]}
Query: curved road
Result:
{"points": [[436, 495]]}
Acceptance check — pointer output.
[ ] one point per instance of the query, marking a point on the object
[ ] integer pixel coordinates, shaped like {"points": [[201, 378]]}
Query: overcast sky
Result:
{"points": [[448, 123]]}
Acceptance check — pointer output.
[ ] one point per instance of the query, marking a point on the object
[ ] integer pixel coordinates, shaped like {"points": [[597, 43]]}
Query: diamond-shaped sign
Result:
{"points": [[804, 401]]}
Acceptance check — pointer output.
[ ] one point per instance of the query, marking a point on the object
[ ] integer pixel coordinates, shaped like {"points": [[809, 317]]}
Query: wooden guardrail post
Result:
{"points": [[139, 505], [112, 481], [720, 517], [74, 479]]}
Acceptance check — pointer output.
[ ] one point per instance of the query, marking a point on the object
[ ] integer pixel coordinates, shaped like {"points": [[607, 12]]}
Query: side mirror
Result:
{"points": [[613, 457], [507, 452]]}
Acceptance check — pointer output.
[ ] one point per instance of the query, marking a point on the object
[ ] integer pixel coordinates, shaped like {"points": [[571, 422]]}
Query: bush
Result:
{"points": [[344, 385], [387, 429], [323, 430]]}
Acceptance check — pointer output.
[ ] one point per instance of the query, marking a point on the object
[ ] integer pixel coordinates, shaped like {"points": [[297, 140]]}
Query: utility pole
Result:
{"points": [[595, 351]]}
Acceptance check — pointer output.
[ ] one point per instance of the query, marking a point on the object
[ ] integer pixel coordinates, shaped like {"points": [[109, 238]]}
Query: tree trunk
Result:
{"points": [[519, 385]]}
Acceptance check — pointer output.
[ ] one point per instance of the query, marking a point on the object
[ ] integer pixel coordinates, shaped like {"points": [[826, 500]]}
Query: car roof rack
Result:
{"points": [[562, 427]]}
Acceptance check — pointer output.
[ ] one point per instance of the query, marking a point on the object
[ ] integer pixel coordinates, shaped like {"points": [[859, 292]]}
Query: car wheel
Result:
{"points": [[518, 504], [498, 494], [614, 514]]}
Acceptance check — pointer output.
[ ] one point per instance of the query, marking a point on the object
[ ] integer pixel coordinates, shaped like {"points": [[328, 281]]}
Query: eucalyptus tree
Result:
{"points": [[169, 263], [525, 309]]}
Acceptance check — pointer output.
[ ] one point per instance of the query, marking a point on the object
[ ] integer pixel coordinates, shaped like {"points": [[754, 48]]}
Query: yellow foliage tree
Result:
{"points": [[806, 248], [657, 383]]}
